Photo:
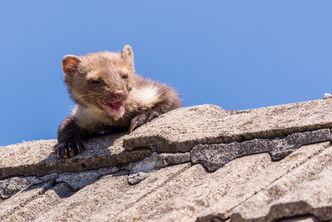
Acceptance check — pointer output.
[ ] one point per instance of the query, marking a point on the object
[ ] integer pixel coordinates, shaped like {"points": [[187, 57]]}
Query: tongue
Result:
{"points": [[115, 110], [116, 106]]}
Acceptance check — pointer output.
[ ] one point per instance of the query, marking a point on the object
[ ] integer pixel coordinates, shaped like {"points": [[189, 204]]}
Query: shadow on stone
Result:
{"points": [[105, 151], [97, 155], [63, 184]]}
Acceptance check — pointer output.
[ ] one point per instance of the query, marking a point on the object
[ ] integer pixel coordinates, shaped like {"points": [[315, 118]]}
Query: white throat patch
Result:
{"points": [[146, 96]]}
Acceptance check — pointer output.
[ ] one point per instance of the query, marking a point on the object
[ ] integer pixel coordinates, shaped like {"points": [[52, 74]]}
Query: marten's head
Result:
{"points": [[102, 80]]}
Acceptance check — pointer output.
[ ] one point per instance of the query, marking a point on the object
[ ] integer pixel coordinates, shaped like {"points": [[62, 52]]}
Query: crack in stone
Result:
{"points": [[81, 179], [13, 185], [152, 191], [214, 156], [157, 161], [43, 188], [278, 212]]}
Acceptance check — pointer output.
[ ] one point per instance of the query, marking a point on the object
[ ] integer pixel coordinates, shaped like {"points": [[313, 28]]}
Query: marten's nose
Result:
{"points": [[118, 94]]}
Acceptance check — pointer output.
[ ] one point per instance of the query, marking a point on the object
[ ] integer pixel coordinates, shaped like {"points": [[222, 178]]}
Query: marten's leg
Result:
{"points": [[69, 139]]}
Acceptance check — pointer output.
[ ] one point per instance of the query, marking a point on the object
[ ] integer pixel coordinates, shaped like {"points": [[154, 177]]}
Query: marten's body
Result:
{"points": [[109, 97]]}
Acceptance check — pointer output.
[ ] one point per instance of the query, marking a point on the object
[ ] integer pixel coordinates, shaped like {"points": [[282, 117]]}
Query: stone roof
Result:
{"points": [[198, 163]]}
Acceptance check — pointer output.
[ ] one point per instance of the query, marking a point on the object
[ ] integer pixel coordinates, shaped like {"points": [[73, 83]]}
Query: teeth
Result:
{"points": [[115, 109]]}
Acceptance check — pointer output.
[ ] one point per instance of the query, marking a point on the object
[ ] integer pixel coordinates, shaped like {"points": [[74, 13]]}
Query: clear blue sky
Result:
{"points": [[236, 54]]}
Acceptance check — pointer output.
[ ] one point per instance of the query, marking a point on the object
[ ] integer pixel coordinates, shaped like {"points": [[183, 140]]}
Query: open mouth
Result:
{"points": [[115, 109]]}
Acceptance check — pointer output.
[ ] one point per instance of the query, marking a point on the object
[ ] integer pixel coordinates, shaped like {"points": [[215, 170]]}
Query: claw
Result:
{"points": [[137, 121], [69, 149], [80, 145], [142, 118], [152, 115], [60, 150]]}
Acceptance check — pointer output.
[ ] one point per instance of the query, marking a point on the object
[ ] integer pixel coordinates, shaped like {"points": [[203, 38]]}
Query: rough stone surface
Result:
{"points": [[108, 197], [12, 185], [79, 180], [296, 186], [182, 129], [214, 156], [248, 188], [95, 186], [137, 178], [157, 161], [32, 203], [38, 158], [76, 181]]}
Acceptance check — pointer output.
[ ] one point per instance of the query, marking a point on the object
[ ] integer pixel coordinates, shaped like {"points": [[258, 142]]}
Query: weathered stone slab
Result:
{"points": [[13, 185], [297, 186], [75, 180], [157, 161], [295, 194], [79, 180], [192, 190], [38, 157], [182, 192], [182, 129], [34, 202], [108, 197], [214, 156], [250, 188], [17, 202]]}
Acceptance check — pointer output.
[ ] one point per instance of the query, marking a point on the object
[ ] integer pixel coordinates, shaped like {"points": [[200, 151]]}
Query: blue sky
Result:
{"points": [[236, 54]]}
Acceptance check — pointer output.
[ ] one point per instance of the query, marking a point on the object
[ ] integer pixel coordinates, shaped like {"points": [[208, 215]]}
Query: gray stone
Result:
{"points": [[11, 186], [184, 192], [32, 203], [157, 161], [48, 177], [214, 156], [137, 178], [182, 129], [37, 158], [304, 198], [76, 181], [79, 180], [169, 159], [299, 185], [108, 197], [248, 188]]}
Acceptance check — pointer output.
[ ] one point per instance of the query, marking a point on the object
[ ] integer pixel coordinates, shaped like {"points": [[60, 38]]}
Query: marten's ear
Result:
{"points": [[70, 64], [128, 54]]}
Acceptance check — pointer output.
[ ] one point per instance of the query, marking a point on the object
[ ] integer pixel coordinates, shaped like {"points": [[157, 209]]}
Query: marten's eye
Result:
{"points": [[124, 75], [94, 82]]}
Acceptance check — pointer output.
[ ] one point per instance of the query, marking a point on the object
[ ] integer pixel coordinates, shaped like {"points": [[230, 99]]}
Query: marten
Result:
{"points": [[109, 96]]}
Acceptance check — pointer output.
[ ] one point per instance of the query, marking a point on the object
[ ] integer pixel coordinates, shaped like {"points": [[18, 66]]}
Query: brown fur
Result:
{"points": [[107, 79]]}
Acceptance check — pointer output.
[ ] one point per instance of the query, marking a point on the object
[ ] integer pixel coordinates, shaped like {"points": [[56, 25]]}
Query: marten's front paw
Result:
{"points": [[70, 148], [143, 118]]}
